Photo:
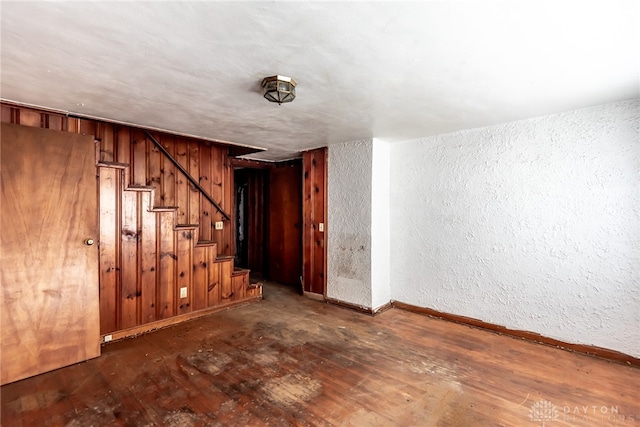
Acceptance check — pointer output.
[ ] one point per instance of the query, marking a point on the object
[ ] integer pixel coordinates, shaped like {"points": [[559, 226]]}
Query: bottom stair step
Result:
{"points": [[254, 290]]}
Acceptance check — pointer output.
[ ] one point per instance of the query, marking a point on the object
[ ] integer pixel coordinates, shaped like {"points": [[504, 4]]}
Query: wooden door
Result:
{"points": [[314, 194], [285, 223], [49, 301]]}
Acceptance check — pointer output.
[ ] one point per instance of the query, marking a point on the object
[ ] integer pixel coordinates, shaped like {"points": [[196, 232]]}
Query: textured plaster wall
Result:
{"points": [[380, 222], [534, 225], [349, 222]]}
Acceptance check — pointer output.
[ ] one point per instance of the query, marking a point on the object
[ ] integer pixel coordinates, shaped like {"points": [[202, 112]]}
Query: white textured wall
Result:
{"points": [[349, 222], [533, 225], [380, 221], [359, 263]]}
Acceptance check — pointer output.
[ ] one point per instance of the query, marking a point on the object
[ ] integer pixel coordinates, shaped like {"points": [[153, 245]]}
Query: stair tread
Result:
{"points": [[141, 187], [239, 272], [164, 208], [113, 164]]}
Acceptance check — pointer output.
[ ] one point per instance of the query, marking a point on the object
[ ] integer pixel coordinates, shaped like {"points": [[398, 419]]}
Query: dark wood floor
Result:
{"points": [[289, 360]]}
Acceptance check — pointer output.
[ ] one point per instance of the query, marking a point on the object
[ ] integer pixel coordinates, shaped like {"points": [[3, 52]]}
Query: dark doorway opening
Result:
{"points": [[268, 220], [251, 219]]}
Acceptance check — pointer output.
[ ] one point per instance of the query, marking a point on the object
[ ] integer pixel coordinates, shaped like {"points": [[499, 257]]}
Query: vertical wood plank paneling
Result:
{"points": [[129, 267], [285, 223], [73, 125], [217, 179], [32, 117], [184, 245], [154, 174], [63, 123], [166, 280], [87, 127], [143, 260], [314, 212], [123, 145], [29, 118], [168, 171], [107, 142], [242, 290], [55, 122], [7, 115], [109, 212], [239, 284], [138, 158], [227, 204], [205, 182], [194, 171], [148, 260], [182, 183], [226, 289], [199, 277], [307, 218], [319, 237], [44, 120], [213, 278]]}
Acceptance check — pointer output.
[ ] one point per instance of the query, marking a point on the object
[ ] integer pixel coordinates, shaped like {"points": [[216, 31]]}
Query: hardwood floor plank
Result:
{"points": [[293, 361]]}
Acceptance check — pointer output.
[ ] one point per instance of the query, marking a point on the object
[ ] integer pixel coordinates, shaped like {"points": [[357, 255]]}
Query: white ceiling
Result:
{"points": [[389, 70]]}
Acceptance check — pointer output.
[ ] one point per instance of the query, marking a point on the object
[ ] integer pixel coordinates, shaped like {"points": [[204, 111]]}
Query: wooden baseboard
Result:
{"points": [[160, 324], [360, 308], [314, 296], [383, 308], [347, 305], [604, 353]]}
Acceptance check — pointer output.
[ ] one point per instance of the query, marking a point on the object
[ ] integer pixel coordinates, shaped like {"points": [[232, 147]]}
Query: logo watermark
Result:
{"points": [[546, 412], [543, 411]]}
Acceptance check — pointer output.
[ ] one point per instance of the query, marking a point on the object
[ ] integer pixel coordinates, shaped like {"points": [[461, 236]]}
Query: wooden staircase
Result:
{"points": [[155, 272]]}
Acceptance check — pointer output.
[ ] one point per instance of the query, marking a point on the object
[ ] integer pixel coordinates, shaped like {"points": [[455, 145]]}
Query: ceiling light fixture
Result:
{"points": [[279, 89]]}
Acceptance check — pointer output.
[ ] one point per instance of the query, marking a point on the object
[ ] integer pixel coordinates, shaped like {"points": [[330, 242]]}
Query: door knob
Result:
{"points": [[89, 242]]}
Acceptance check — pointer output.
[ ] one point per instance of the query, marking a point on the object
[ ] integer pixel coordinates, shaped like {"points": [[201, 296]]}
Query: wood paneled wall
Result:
{"points": [[157, 233], [205, 161], [285, 223], [314, 194]]}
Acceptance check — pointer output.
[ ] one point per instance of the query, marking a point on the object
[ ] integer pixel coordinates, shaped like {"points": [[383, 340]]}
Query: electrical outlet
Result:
{"points": [[321, 227], [108, 338], [219, 225], [183, 292]]}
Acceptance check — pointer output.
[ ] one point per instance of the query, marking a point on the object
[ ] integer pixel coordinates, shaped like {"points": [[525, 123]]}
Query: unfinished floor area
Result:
{"points": [[292, 361]]}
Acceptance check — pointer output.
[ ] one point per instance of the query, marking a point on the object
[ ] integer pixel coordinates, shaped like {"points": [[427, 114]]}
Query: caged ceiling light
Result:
{"points": [[279, 89]]}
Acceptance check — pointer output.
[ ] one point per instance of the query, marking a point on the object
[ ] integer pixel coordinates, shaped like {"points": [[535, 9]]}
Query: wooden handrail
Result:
{"points": [[191, 179]]}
